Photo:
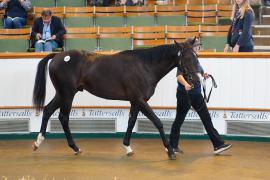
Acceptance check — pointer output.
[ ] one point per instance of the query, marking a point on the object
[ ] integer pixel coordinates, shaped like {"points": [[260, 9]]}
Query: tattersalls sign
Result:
{"points": [[250, 115], [121, 115]]}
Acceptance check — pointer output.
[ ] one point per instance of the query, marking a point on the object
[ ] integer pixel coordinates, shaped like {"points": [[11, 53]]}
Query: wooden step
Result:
{"points": [[261, 40], [266, 19], [265, 10], [262, 48], [261, 29]]}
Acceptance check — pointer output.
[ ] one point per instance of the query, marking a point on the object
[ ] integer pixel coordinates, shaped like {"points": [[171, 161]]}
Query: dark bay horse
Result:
{"points": [[130, 75]]}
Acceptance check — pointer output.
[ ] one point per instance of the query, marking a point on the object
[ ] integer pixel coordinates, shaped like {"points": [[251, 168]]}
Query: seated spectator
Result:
{"points": [[16, 13], [130, 2], [47, 32], [98, 2]]}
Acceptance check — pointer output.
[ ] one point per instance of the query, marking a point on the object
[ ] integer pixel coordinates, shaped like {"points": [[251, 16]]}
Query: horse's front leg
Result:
{"points": [[134, 110], [149, 113]]}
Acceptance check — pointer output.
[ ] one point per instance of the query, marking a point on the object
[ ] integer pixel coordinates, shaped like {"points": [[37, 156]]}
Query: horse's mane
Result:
{"points": [[153, 54]]}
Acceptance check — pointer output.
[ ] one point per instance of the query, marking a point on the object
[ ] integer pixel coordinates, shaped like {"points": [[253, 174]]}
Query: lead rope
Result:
{"points": [[214, 84]]}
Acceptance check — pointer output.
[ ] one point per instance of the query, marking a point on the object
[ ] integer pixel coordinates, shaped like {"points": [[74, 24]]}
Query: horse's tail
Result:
{"points": [[39, 92]]}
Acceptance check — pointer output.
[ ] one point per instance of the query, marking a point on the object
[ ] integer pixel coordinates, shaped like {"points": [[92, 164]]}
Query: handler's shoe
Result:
{"points": [[177, 150], [221, 148]]}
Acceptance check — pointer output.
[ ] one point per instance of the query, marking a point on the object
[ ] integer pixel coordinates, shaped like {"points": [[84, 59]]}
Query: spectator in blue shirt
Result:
{"points": [[240, 34], [16, 13], [48, 32]]}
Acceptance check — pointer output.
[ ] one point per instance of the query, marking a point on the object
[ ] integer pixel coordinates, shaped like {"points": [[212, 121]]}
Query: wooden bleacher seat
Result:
{"points": [[56, 11], [109, 16], [81, 38], [114, 38], [79, 16], [224, 13], [71, 3], [140, 15], [224, 28], [225, 1], [171, 15], [148, 36], [43, 3], [180, 2], [201, 14], [213, 40], [208, 2], [194, 2], [14, 40], [180, 37]]}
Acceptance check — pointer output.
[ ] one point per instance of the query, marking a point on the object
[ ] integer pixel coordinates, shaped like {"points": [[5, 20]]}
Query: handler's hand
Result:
{"points": [[205, 75], [187, 87]]}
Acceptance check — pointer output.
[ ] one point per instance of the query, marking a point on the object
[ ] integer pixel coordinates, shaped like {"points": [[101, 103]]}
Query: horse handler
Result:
{"points": [[189, 94]]}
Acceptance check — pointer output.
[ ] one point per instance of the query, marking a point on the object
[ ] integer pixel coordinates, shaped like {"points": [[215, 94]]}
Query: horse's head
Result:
{"points": [[187, 59]]}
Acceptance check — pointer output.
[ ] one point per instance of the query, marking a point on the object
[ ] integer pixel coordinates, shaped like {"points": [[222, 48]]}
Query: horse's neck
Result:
{"points": [[163, 68]]}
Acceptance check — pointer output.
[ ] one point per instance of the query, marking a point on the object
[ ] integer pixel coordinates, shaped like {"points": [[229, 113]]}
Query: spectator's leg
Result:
{"points": [[39, 47], [106, 3], [49, 46], [8, 23], [19, 23]]}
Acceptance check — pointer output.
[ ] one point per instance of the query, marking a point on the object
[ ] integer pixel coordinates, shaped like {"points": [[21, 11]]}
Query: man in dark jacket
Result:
{"points": [[48, 32], [16, 13]]}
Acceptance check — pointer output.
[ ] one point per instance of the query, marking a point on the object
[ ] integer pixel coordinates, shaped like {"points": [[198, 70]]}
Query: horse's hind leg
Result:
{"points": [[47, 112], [134, 110], [149, 113], [64, 119]]}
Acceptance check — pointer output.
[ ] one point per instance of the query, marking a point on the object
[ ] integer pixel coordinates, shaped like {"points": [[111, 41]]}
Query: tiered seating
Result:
{"points": [[262, 32], [148, 36], [57, 11], [60, 3], [140, 16], [194, 2], [181, 33], [43, 3], [213, 38], [171, 15], [119, 28], [14, 40], [114, 38], [224, 14], [71, 3], [205, 15], [109, 16], [79, 16], [81, 38]]}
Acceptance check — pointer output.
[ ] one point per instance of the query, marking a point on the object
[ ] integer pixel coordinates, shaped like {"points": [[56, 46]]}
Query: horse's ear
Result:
{"points": [[194, 41], [180, 45]]}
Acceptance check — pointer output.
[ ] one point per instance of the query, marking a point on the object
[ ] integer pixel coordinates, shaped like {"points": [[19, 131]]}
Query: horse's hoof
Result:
{"points": [[172, 156], [130, 153], [34, 146], [78, 152]]}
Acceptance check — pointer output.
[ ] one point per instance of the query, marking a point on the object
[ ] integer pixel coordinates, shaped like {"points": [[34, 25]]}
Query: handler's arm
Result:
{"points": [[181, 79]]}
